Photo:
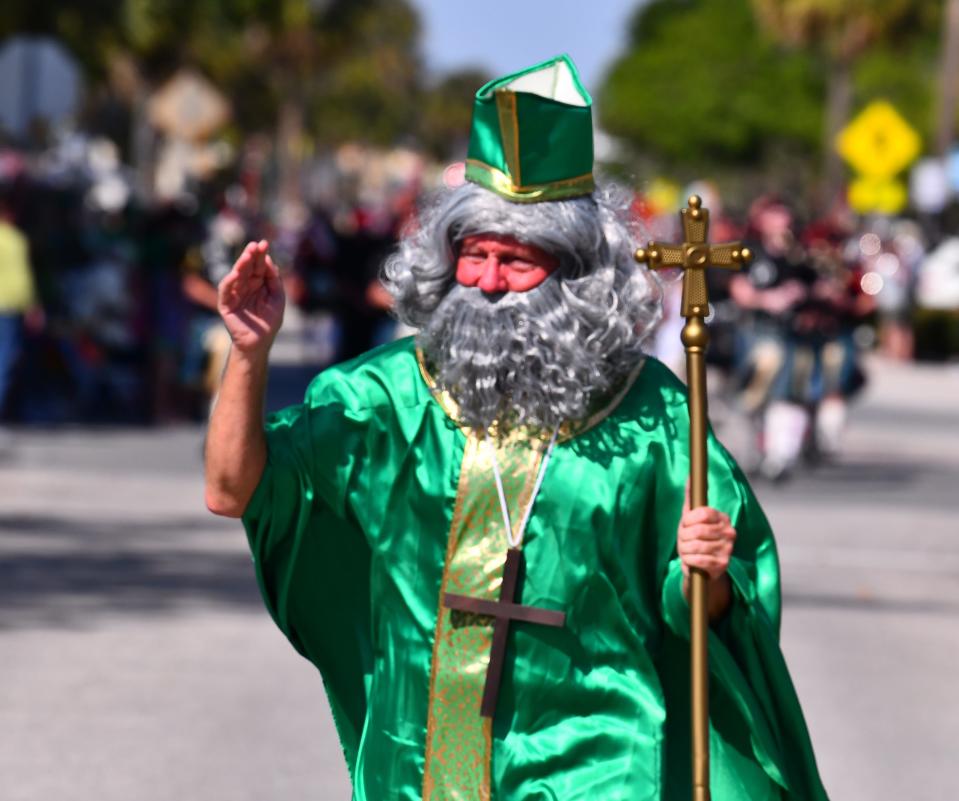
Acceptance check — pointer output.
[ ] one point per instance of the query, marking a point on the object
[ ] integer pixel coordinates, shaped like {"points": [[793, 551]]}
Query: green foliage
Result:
{"points": [[841, 29], [88, 28], [847, 33], [369, 88], [736, 89], [446, 111], [351, 65], [903, 75], [699, 84], [364, 99]]}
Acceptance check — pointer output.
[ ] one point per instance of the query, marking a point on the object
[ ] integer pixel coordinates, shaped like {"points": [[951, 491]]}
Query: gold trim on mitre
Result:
{"points": [[500, 182], [509, 131]]}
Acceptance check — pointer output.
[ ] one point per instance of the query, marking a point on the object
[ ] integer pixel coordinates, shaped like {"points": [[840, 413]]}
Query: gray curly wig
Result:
{"points": [[536, 358]]}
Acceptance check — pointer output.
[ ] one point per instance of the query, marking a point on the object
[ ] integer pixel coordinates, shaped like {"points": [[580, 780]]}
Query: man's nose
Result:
{"points": [[491, 280]]}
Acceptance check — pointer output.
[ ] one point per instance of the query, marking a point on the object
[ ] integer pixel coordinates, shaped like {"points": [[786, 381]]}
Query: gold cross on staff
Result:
{"points": [[694, 255]]}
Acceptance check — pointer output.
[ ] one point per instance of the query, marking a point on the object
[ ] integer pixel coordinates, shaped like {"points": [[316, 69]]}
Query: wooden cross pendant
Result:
{"points": [[503, 612]]}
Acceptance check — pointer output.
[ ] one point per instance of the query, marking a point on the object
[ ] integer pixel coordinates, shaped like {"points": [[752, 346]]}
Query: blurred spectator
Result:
{"points": [[937, 300], [168, 233], [770, 291], [776, 280], [336, 268], [798, 363], [19, 306], [897, 267], [204, 266], [312, 283], [826, 370], [100, 336], [724, 322], [129, 287], [365, 237]]}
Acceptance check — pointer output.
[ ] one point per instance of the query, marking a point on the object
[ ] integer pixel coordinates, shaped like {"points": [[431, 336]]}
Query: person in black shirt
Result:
{"points": [[770, 292]]}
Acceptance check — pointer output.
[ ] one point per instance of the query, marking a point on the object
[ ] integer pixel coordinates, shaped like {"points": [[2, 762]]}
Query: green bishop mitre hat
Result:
{"points": [[532, 134]]}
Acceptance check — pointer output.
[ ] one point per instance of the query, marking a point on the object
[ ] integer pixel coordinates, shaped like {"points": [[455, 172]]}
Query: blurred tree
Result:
{"points": [[841, 32], [341, 68], [446, 112], [369, 91], [87, 29], [699, 85], [747, 104], [338, 69], [902, 73]]}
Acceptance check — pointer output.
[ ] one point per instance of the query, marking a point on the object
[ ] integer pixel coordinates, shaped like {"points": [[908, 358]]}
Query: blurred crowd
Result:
{"points": [[789, 331], [108, 303]]}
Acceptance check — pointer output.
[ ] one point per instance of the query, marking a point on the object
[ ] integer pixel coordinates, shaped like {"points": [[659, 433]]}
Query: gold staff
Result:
{"points": [[693, 256]]}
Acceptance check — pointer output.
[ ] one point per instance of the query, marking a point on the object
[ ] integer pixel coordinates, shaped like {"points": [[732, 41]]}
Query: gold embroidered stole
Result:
{"points": [[458, 738]]}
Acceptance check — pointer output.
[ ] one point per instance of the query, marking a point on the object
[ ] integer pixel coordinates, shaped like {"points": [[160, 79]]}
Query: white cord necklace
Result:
{"points": [[515, 542]]}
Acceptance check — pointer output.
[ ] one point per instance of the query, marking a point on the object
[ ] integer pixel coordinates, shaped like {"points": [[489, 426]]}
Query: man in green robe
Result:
{"points": [[525, 417]]}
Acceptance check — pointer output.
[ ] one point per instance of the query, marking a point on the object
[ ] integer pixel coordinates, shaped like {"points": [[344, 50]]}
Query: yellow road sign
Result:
{"points": [[877, 195], [878, 143]]}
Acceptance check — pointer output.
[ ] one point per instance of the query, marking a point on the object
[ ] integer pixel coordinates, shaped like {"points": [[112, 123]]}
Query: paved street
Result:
{"points": [[137, 662]]}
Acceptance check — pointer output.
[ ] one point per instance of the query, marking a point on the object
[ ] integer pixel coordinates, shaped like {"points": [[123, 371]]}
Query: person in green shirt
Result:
{"points": [[524, 419]]}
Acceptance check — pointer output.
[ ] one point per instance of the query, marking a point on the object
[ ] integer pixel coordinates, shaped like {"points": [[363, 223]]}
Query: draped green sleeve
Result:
{"points": [[759, 744], [312, 559]]}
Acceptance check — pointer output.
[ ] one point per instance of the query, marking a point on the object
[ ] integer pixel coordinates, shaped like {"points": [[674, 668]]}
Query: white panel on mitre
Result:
{"points": [[554, 82]]}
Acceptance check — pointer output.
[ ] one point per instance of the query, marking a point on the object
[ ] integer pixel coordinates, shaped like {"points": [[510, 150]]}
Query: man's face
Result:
{"points": [[497, 263], [774, 224]]}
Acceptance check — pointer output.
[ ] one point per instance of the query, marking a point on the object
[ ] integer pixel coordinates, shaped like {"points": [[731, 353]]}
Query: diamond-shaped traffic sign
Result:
{"points": [[878, 143], [877, 195], [189, 107]]}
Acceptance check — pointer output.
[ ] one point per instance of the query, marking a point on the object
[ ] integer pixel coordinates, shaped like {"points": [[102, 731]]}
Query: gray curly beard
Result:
{"points": [[524, 358], [538, 358]]}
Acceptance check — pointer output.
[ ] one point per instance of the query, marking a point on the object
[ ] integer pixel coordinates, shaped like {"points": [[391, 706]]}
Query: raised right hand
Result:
{"points": [[250, 299]]}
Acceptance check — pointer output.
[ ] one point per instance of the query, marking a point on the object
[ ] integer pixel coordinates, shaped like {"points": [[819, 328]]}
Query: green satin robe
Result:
{"points": [[349, 527]]}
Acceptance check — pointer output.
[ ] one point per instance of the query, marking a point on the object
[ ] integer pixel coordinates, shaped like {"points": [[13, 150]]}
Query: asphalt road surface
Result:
{"points": [[137, 662]]}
